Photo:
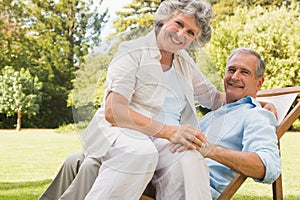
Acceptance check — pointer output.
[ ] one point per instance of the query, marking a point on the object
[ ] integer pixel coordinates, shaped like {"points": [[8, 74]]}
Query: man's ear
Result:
{"points": [[260, 82]]}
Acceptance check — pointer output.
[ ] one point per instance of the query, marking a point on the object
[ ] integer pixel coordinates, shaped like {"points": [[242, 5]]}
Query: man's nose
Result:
{"points": [[236, 75]]}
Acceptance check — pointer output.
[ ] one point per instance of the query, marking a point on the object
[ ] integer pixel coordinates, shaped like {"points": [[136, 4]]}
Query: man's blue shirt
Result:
{"points": [[244, 126]]}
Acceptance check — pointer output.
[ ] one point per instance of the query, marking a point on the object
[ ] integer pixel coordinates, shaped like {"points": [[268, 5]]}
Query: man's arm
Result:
{"points": [[246, 163], [257, 155]]}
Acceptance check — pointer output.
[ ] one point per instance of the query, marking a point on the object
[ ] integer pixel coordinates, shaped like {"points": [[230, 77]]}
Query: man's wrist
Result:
{"points": [[207, 149]]}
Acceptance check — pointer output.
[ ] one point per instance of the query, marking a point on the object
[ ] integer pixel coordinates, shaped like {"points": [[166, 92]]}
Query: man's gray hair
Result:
{"points": [[260, 66], [200, 9]]}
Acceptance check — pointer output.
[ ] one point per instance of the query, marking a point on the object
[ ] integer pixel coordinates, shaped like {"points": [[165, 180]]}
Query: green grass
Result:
{"points": [[31, 158]]}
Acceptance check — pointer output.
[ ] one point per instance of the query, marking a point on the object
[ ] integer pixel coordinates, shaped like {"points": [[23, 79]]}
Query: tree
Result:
{"points": [[13, 42], [19, 93], [136, 15], [225, 8], [89, 87], [50, 38], [64, 31]]}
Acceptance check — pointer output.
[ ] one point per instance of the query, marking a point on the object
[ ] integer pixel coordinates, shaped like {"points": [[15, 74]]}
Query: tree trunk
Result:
{"points": [[19, 121]]}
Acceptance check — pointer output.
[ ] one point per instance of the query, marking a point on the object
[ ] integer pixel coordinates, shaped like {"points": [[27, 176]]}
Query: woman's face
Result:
{"points": [[177, 33]]}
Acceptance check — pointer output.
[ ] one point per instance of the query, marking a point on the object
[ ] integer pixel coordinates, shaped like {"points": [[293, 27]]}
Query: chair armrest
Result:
{"points": [[232, 187]]}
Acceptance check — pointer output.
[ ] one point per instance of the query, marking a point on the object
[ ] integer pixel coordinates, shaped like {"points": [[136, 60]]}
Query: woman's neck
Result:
{"points": [[166, 60]]}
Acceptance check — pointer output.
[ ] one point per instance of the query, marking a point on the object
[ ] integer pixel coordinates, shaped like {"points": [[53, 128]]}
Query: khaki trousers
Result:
{"points": [[74, 179]]}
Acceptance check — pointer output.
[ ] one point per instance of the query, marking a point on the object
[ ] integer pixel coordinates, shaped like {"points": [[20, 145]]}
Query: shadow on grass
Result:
{"points": [[29, 190]]}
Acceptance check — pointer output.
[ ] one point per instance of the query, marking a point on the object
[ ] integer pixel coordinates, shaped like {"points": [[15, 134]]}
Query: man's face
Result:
{"points": [[177, 33], [240, 77]]}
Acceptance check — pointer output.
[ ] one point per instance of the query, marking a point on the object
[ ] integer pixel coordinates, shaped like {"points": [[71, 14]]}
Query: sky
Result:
{"points": [[113, 6]]}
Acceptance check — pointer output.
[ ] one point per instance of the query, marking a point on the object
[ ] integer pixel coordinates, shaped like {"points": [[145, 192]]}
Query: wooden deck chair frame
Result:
{"points": [[282, 128]]}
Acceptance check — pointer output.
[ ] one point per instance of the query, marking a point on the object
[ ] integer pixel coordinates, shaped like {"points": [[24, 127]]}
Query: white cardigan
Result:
{"points": [[136, 73]]}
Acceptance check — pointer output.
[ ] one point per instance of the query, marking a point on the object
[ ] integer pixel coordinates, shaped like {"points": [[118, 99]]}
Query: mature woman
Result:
{"points": [[152, 85]]}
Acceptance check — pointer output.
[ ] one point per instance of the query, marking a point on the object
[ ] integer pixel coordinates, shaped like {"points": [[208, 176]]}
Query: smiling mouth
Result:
{"points": [[176, 41], [234, 85]]}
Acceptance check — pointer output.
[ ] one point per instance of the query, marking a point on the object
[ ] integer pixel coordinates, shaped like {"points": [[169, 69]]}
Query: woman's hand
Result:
{"points": [[270, 107], [185, 137]]}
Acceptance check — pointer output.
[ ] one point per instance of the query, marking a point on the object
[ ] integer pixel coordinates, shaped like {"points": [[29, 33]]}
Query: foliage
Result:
{"points": [[64, 33], [50, 38], [296, 125], [19, 92], [7, 121], [273, 32], [69, 27], [14, 44], [89, 79], [72, 128], [208, 68], [224, 8], [136, 15], [89, 87]]}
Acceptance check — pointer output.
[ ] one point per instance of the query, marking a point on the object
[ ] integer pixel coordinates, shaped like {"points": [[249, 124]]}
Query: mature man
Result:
{"points": [[241, 133]]}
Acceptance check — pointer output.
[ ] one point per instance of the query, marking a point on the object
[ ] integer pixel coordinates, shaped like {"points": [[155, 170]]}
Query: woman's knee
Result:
{"points": [[90, 164], [191, 156], [192, 159]]}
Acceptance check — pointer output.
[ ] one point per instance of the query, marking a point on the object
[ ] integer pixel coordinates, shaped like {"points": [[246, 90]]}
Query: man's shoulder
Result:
{"points": [[250, 109], [258, 114]]}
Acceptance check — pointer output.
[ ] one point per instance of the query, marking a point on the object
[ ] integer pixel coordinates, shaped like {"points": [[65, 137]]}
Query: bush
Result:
{"points": [[72, 128]]}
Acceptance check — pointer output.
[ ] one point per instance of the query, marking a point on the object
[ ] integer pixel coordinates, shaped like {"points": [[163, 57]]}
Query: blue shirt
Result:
{"points": [[243, 126]]}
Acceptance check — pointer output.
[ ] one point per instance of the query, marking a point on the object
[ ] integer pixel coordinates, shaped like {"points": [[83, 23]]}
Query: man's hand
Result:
{"points": [[205, 150]]}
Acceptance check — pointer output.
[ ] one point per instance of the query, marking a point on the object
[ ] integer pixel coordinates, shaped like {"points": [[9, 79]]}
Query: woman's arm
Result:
{"points": [[118, 113]]}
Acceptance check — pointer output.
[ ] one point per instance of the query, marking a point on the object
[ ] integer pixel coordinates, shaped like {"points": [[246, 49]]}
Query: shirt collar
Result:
{"points": [[248, 99], [152, 44]]}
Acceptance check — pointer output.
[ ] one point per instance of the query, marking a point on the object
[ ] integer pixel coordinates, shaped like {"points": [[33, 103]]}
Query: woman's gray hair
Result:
{"points": [[260, 66], [200, 9]]}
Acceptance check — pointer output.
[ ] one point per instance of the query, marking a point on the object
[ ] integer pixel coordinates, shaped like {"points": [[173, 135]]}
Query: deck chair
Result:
{"points": [[288, 109]]}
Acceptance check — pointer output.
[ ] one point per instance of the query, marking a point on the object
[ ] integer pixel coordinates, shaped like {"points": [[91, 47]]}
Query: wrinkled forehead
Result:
{"points": [[243, 60]]}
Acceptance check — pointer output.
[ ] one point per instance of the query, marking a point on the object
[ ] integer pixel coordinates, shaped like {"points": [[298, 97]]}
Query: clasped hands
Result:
{"points": [[188, 137]]}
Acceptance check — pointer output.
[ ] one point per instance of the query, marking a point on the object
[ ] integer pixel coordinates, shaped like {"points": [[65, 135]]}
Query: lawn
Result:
{"points": [[30, 158]]}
